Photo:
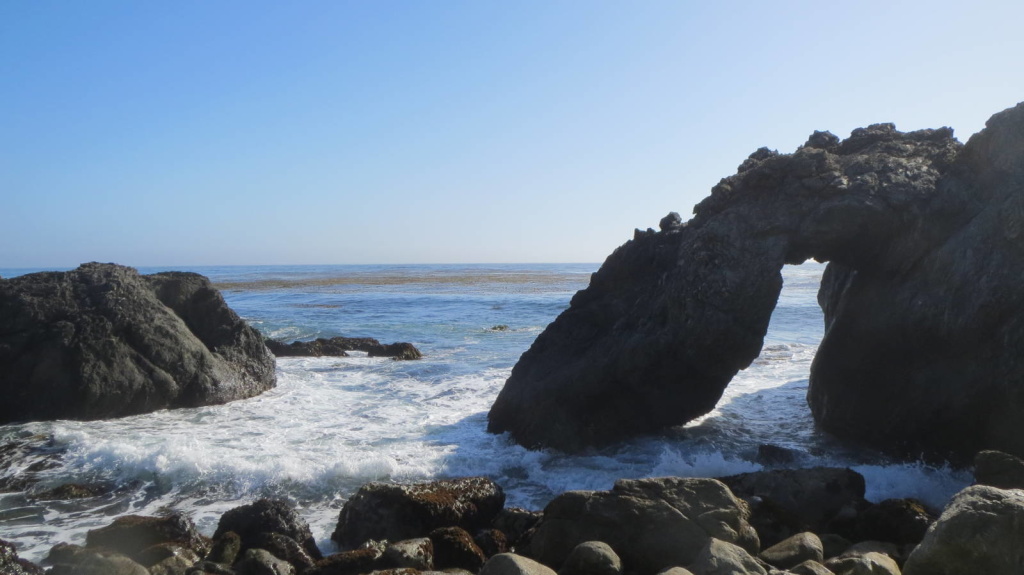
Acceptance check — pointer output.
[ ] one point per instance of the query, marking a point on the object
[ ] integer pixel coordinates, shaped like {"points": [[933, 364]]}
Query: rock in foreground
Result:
{"points": [[652, 524], [980, 531], [924, 328], [103, 341]]}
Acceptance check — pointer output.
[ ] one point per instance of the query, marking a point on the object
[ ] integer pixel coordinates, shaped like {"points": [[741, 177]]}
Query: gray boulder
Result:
{"points": [[512, 564], [592, 558], [675, 571], [924, 330], [980, 531], [103, 341], [651, 524], [794, 551], [810, 568], [410, 554], [871, 563], [722, 558], [261, 562]]}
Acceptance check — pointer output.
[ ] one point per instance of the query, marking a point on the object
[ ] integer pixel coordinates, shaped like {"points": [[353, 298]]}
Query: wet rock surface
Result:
{"points": [[104, 341], [924, 332]]}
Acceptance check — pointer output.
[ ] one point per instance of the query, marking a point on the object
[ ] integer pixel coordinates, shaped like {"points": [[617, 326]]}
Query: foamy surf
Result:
{"points": [[333, 424]]}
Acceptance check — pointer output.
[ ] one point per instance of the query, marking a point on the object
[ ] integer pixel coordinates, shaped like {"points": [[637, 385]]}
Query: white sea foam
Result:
{"points": [[333, 424]]}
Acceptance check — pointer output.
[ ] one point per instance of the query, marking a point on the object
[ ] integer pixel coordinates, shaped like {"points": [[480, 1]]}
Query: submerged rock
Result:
{"points": [[338, 346], [103, 341], [924, 328]]}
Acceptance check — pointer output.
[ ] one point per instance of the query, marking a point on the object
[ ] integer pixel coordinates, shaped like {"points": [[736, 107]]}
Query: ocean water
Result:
{"points": [[333, 424]]}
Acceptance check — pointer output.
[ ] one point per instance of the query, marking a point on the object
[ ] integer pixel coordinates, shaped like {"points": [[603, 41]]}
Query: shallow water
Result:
{"points": [[333, 424]]}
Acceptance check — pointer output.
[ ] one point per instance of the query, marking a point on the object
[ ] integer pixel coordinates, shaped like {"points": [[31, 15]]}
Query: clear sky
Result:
{"points": [[191, 132]]}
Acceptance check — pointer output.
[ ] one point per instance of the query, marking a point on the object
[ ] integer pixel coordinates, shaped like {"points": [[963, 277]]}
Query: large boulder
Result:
{"points": [[253, 522], [802, 499], [135, 535], [980, 531], [394, 512], [651, 524], [924, 332], [103, 341]]}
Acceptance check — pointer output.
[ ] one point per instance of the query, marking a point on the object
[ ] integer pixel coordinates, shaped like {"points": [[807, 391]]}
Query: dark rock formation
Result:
{"points": [[809, 498], [454, 548], [103, 341], [998, 469], [338, 346], [253, 522], [924, 332], [900, 521], [382, 511]]}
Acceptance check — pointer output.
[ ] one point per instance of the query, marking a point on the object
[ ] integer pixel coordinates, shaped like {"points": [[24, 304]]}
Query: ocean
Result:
{"points": [[333, 424]]}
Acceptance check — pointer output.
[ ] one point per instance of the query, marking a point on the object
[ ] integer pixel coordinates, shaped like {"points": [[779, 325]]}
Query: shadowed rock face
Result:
{"points": [[921, 299], [103, 341]]}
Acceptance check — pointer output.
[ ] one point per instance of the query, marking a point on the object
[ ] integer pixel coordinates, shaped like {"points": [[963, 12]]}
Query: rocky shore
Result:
{"points": [[811, 521]]}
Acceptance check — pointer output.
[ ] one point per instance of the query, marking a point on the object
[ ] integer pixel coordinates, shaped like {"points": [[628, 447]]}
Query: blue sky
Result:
{"points": [[220, 132]]}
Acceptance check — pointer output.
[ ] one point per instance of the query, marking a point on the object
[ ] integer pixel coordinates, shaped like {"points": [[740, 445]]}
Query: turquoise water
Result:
{"points": [[335, 423]]}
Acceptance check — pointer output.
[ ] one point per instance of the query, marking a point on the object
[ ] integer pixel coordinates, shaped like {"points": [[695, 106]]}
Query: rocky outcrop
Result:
{"points": [[339, 346], [924, 332], [253, 523], [103, 341]]}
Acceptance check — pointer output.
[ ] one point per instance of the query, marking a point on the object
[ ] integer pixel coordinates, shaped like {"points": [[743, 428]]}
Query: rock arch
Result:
{"points": [[923, 299]]}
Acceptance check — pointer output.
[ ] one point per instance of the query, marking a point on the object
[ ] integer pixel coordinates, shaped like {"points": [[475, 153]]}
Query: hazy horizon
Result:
{"points": [[325, 132]]}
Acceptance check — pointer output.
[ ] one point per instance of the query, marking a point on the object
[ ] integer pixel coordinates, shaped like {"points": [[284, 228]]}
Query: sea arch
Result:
{"points": [[675, 313]]}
